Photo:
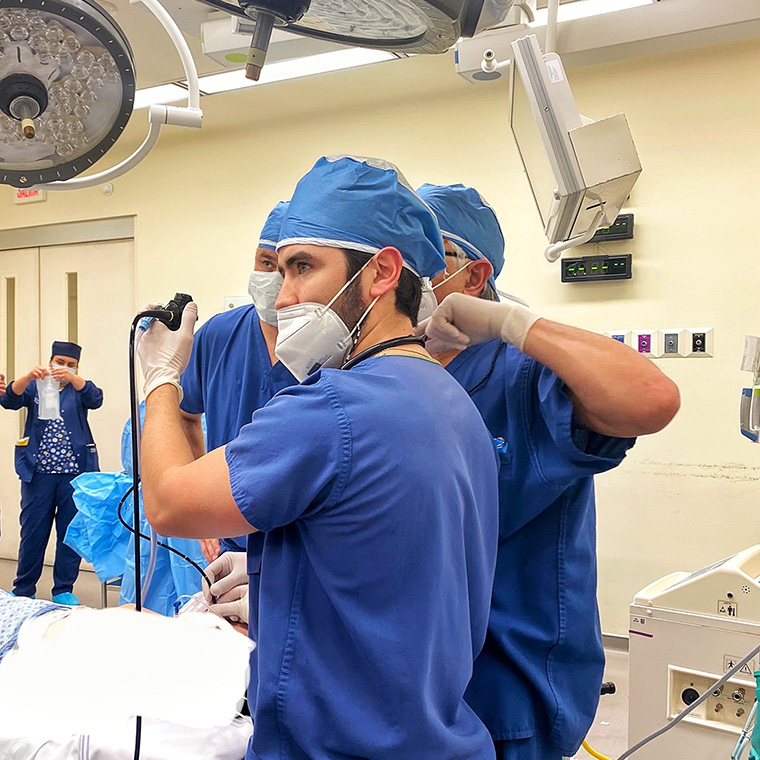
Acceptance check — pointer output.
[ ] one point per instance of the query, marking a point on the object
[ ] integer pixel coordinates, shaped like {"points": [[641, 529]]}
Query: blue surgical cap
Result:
{"points": [[363, 204], [467, 220], [66, 348], [270, 232]]}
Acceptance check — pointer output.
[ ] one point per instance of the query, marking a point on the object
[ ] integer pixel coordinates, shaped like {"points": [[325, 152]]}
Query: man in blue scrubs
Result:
{"points": [[49, 456], [375, 484], [564, 404]]}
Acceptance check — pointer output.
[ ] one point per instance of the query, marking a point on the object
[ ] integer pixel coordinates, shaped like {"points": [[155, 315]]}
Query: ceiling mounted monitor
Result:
{"points": [[580, 171]]}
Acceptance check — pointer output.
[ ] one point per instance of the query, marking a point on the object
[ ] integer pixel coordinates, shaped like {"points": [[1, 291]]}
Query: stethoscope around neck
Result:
{"points": [[384, 346]]}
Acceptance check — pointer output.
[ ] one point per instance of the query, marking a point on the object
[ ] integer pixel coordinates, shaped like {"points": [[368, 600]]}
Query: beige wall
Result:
{"points": [[683, 497]]}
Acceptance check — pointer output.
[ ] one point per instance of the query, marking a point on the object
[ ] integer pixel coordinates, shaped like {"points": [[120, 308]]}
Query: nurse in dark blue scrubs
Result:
{"points": [[49, 456], [563, 405]]}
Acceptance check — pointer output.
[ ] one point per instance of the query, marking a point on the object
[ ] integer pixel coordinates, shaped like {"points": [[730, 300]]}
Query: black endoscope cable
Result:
{"points": [[161, 543], [134, 414], [166, 316]]}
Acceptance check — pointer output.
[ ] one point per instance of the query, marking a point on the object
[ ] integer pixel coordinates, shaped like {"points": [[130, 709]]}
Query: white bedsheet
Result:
{"points": [[160, 741]]}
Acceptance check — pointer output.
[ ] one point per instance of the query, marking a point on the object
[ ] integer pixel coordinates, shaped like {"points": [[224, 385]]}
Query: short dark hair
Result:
{"points": [[408, 290]]}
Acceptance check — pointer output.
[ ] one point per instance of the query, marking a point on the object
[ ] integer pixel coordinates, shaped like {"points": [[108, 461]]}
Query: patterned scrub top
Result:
{"points": [[56, 455]]}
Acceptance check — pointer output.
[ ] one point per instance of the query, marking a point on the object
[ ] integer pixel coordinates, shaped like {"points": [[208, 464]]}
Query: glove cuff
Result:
{"points": [[162, 376], [515, 328]]}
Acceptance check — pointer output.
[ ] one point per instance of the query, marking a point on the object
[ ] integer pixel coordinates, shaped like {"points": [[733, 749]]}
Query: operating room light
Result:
{"points": [[67, 86], [586, 9]]}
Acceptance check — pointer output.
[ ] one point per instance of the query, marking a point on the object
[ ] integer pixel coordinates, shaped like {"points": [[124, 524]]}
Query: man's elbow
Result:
{"points": [[659, 404], [162, 509]]}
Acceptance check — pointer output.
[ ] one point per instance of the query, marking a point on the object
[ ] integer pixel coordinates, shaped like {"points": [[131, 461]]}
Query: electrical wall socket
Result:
{"points": [[698, 342]]}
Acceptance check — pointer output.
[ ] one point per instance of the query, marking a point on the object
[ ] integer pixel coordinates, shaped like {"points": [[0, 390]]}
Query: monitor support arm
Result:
{"points": [[553, 251]]}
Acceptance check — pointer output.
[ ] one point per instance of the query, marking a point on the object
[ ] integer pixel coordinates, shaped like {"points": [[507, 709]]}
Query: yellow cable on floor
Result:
{"points": [[593, 752]]}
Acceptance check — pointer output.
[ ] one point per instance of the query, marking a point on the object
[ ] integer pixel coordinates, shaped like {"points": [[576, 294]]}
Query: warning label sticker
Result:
{"points": [[728, 609], [730, 661]]}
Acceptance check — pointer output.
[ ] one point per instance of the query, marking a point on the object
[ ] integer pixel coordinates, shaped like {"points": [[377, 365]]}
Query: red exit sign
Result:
{"points": [[30, 195]]}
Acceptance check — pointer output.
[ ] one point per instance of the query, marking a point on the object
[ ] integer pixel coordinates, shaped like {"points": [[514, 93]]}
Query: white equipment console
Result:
{"points": [[686, 631]]}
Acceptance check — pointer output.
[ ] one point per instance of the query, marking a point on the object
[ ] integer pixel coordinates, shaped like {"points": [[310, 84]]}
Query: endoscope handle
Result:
{"points": [[174, 309]]}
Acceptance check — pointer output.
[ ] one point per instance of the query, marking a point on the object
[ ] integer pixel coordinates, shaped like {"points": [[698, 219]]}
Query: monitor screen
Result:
{"points": [[531, 147]]}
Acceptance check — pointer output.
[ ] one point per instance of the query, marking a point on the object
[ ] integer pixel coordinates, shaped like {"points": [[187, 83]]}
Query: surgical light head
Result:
{"points": [[409, 26], [67, 86]]}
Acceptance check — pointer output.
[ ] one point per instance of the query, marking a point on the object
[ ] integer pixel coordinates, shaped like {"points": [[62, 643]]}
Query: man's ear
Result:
{"points": [[386, 268], [477, 277]]}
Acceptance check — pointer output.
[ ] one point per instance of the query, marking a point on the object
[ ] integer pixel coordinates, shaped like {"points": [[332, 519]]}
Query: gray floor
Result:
{"points": [[87, 588], [608, 735]]}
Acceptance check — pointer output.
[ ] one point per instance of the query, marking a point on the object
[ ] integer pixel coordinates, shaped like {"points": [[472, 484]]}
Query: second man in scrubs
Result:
{"points": [[564, 404]]}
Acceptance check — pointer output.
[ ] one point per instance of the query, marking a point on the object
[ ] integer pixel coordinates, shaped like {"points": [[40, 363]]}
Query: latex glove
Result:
{"points": [[164, 353], [229, 584], [461, 321]]}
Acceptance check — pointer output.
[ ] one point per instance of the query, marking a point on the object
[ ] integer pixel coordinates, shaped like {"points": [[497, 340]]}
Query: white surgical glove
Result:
{"points": [[229, 584], [164, 353], [462, 321]]}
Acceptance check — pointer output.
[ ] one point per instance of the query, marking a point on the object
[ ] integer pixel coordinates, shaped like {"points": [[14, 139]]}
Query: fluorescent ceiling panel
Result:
{"points": [[587, 8], [159, 95], [298, 67]]}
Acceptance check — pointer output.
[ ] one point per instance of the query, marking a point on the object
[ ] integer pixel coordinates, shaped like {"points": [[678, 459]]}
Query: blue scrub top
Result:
{"points": [[541, 669], [377, 490], [229, 377]]}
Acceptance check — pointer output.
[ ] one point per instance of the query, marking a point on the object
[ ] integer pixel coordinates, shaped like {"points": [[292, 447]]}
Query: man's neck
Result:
{"points": [[381, 327], [447, 356]]}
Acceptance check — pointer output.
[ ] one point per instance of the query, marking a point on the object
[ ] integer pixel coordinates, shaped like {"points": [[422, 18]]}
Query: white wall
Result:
{"points": [[683, 497]]}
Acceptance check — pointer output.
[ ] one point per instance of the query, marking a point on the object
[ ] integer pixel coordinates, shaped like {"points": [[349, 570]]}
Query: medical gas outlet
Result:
{"points": [[668, 343]]}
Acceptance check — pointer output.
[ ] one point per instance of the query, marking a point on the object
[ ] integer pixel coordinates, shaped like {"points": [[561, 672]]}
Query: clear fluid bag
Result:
{"points": [[50, 404]]}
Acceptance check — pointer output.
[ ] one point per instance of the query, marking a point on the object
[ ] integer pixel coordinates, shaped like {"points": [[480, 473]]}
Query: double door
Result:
{"points": [[82, 293]]}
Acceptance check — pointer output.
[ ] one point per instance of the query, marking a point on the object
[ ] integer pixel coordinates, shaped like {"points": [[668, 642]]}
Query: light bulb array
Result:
{"points": [[82, 71], [85, 85]]}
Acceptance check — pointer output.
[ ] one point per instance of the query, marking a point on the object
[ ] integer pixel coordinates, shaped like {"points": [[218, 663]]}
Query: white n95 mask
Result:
{"points": [[264, 287], [311, 335]]}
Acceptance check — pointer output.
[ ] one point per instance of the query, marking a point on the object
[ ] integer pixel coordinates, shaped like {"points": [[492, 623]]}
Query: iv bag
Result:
{"points": [[49, 400]]}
